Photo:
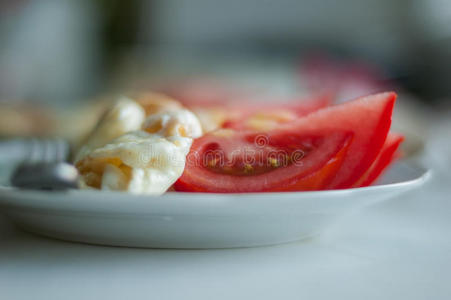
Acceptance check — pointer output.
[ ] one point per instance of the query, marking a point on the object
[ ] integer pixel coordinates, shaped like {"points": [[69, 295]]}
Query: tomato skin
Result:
{"points": [[249, 114], [387, 155], [271, 115], [220, 106], [319, 179], [355, 133], [197, 178], [367, 142], [369, 118]]}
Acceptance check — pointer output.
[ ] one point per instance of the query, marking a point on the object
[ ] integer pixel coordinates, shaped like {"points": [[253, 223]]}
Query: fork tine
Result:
{"points": [[44, 167], [52, 150], [46, 151], [57, 145], [60, 150], [35, 151]]}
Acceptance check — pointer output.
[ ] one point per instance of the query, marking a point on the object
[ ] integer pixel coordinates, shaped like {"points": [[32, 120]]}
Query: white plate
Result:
{"points": [[194, 220]]}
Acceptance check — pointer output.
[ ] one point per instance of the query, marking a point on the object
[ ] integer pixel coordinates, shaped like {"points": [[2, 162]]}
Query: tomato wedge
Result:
{"points": [[227, 160], [369, 118], [254, 115], [387, 155], [319, 179], [268, 116]]}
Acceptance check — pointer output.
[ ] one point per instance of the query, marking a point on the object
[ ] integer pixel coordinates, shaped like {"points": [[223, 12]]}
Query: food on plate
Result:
{"points": [[152, 143], [218, 105], [365, 121], [267, 116], [287, 160], [126, 115], [369, 119], [138, 162], [387, 155], [249, 114], [138, 149]]}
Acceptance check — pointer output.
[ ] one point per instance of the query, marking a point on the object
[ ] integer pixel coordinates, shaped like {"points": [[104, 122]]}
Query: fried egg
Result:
{"points": [[147, 159]]}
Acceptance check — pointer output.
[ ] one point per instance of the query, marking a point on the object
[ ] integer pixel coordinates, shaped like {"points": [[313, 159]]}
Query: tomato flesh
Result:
{"points": [[387, 155], [342, 146], [282, 160], [266, 117], [369, 118], [319, 179]]}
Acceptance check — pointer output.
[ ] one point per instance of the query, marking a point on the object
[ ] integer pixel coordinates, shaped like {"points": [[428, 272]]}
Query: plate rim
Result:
{"points": [[52, 200]]}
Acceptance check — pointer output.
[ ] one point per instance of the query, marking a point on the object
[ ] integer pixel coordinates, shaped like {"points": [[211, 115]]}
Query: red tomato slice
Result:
{"points": [[369, 118], [262, 117], [387, 155], [319, 179], [256, 116], [227, 161]]}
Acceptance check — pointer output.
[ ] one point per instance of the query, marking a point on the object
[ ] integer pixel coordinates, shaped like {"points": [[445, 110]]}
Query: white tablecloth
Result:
{"points": [[400, 249]]}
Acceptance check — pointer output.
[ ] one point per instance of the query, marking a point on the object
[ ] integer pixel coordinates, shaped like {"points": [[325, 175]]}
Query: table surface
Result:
{"points": [[400, 249]]}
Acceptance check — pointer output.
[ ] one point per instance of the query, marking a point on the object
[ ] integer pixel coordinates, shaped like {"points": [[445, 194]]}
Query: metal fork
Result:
{"points": [[43, 165]]}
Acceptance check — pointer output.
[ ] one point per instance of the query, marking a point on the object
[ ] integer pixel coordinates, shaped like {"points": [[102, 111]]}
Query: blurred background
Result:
{"points": [[58, 58]]}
